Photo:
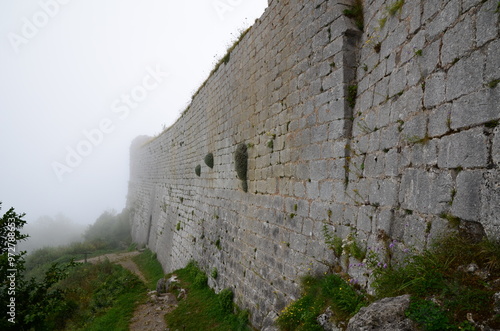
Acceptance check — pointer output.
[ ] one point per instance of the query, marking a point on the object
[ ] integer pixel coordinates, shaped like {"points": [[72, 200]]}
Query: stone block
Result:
{"points": [[443, 19], [439, 120], [392, 163], [467, 201], [326, 191], [431, 8], [312, 190], [389, 137], [457, 41], [415, 128], [467, 4], [384, 220], [318, 170], [337, 169], [466, 149], [490, 203], [425, 191], [465, 76], [435, 89], [495, 152], [476, 108], [430, 58], [493, 61], [409, 52], [487, 23], [397, 82]]}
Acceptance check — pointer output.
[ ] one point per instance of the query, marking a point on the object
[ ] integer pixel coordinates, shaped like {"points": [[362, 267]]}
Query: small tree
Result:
{"points": [[28, 303]]}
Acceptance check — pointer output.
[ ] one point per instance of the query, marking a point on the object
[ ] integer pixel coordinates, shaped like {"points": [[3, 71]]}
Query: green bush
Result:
{"points": [[201, 280], [110, 231], [225, 298], [429, 315], [197, 170]]}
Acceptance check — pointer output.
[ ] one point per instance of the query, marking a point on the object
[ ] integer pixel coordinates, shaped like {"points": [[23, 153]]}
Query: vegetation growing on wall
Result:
{"points": [[356, 13], [197, 170], [224, 60]]}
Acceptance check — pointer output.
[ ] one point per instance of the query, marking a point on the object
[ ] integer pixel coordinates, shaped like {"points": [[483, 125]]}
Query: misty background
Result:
{"points": [[80, 80]]}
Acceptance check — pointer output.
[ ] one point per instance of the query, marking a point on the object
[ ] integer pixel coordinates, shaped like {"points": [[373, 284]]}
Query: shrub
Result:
{"points": [[197, 170], [225, 298], [200, 280]]}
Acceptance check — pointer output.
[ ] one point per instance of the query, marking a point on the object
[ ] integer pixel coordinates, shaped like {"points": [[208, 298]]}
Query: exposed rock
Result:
{"points": [[162, 286], [472, 267], [325, 321], [182, 294], [496, 300], [387, 314]]}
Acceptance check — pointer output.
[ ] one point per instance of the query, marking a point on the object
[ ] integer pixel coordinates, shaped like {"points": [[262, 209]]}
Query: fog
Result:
{"points": [[51, 231], [81, 79]]}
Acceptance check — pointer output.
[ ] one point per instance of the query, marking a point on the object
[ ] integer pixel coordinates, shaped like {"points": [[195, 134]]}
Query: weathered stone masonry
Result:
{"points": [[417, 155]]}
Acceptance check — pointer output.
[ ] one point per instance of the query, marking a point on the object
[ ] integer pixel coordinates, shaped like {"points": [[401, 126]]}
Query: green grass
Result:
{"points": [[442, 291], [40, 260], [395, 7], [101, 297], [202, 307], [118, 317], [439, 273], [318, 294], [150, 267]]}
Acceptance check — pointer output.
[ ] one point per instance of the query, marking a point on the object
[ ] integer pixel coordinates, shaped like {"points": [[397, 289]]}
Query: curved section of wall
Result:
{"points": [[416, 155]]}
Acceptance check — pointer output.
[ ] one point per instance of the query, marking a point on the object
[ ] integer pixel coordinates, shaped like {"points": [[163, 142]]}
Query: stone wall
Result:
{"points": [[387, 135]]}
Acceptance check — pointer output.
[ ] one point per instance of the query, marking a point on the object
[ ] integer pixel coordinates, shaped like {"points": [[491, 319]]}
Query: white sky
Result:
{"points": [[68, 75]]}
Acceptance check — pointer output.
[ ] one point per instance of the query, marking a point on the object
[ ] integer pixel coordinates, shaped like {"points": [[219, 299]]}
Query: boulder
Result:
{"points": [[387, 314], [162, 286]]}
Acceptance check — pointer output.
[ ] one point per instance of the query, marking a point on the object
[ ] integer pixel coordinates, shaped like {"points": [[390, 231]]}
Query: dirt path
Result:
{"points": [[123, 259], [149, 316]]}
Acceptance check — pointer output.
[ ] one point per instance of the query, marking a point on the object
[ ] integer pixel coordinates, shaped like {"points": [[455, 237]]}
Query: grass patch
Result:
{"points": [[395, 7], [443, 290], [418, 140], [493, 83], [318, 294], [150, 267], [99, 297], [118, 317], [382, 21], [202, 307], [453, 279]]}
